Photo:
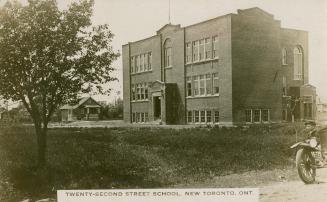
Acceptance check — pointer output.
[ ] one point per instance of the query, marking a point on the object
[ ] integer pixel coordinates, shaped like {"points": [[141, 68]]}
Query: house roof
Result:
{"points": [[80, 102]]}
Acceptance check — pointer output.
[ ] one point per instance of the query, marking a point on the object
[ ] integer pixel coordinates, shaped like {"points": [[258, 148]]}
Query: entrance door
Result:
{"points": [[157, 107], [308, 111]]}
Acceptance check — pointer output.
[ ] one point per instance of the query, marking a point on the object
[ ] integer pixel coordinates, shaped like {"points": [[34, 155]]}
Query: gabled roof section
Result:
{"points": [[80, 102], [254, 10], [168, 27]]}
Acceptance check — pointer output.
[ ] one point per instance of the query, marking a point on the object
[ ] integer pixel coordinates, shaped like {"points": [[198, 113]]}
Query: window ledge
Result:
{"points": [[201, 61], [150, 71], [284, 64], [203, 96], [170, 67], [138, 101]]}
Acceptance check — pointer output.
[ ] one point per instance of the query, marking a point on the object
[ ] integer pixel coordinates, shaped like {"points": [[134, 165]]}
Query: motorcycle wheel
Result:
{"points": [[305, 166]]}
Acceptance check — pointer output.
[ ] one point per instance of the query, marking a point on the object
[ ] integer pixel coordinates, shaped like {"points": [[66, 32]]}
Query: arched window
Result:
{"points": [[298, 63], [284, 56], [168, 53]]}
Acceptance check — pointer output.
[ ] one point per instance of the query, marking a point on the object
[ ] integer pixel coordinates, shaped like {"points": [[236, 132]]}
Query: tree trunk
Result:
{"points": [[41, 134]]}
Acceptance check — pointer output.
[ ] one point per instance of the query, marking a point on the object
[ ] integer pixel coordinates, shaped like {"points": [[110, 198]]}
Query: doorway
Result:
{"points": [[157, 107]]}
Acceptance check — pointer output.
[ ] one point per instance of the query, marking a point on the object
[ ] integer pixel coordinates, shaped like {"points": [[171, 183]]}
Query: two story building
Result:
{"points": [[233, 69]]}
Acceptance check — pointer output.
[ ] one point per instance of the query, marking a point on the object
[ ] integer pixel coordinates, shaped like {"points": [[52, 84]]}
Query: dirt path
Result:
{"points": [[296, 190]]}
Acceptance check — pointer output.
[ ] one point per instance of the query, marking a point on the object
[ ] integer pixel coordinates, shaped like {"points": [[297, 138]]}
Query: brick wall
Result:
{"points": [[256, 60]]}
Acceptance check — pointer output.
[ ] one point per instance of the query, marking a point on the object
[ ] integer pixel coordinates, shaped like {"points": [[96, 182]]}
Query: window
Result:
{"points": [[133, 117], [284, 56], [138, 92], [132, 65], [146, 117], [216, 118], [202, 84], [256, 115], [168, 57], [202, 116], [265, 115], [137, 63], [208, 84], [137, 115], [215, 83], [188, 53], [133, 91], [146, 62], [248, 115], [189, 86], [142, 117], [208, 116], [142, 91], [215, 47], [196, 85], [141, 68], [298, 64], [207, 48], [196, 117], [167, 53], [195, 51], [146, 91], [201, 49], [150, 61], [189, 117]]}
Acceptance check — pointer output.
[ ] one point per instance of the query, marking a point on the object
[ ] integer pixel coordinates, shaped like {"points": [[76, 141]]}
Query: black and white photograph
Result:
{"points": [[163, 100]]}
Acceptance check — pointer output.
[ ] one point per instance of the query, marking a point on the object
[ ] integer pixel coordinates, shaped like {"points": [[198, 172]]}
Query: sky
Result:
{"points": [[132, 20]]}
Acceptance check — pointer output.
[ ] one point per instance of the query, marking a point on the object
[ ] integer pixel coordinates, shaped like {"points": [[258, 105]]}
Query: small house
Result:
{"points": [[85, 109]]}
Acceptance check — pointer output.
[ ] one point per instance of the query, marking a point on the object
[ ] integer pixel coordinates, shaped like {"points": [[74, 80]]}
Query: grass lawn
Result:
{"points": [[107, 158]]}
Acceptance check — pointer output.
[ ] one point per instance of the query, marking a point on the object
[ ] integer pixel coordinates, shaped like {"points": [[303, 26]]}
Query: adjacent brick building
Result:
{"points": [[233, 69]]}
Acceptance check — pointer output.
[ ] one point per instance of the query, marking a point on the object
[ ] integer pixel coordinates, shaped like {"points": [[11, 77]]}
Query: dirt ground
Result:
{"points": [[296, 190], [278, 185]]}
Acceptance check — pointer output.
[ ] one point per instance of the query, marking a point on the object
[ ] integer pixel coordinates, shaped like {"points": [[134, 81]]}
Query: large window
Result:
{"points": [[284, 56], [188, 53], [168, 53], [265, 115], [298, 63], [257, 115], [132, 64], [202, 84], [215, 47], [137, 63], [133, 92], [207, 48], [196, 117], [248, 115], [189, 86], [195, 51], [146, 61], [196, 85], [208, 117], [208, 84], [168, 57], [150, 61], [201, 49], [216, 118], [140, 91], [215, 83], [190, 116], [141, 63]]}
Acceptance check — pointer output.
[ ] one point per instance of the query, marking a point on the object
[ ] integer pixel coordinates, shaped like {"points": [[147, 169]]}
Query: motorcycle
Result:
{"points": [[311, 154]]}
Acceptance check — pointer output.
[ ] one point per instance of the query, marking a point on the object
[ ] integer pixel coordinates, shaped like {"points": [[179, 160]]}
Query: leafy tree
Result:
{"points": [[48, 56]]}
